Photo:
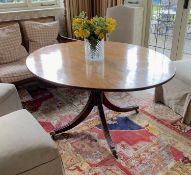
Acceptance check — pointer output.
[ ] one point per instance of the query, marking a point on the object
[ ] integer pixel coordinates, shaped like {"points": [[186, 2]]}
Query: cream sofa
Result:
{"points": [[177, 93], [17, 72], [9, 99], [25, 148]]}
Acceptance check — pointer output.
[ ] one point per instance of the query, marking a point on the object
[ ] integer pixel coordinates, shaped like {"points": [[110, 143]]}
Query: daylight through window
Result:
{"points": [[5, 4]]}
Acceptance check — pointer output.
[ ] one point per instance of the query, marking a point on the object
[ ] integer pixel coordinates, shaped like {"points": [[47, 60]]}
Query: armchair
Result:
{"points": [[9, 99], [177, 93]]}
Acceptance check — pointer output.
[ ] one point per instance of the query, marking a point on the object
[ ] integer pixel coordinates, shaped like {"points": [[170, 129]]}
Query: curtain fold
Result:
{"points": [[72, 9], [91, 7]]}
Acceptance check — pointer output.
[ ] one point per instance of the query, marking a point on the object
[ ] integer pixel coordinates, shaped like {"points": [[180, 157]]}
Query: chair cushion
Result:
{"points": [[13, 72], [183, 70], [10, 44], [40, 34], [6, 90], [24, 144]]}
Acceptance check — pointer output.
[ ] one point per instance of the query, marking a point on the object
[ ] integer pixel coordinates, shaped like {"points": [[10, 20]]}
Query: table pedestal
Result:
{"points": [[96, 98]]}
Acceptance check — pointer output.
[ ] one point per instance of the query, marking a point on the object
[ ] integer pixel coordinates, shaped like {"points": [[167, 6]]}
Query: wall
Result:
{"points": [[58, 12]]}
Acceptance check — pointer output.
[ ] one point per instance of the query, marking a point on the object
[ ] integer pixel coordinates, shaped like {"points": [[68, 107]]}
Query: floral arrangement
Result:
{"points": [[93, 29]]}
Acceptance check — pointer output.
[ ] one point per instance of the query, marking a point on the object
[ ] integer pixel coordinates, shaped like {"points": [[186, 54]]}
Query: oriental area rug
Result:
{"points": [[153, 142]]}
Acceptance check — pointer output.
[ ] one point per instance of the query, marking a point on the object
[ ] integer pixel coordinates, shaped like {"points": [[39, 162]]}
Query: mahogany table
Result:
{"points": [[125, 68]]}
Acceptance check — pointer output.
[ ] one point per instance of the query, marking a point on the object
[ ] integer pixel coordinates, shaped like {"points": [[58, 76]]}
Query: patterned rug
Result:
{"points": [[152, 142]]}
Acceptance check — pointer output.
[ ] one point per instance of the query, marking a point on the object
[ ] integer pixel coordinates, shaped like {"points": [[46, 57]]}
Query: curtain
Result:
{"points": [[72, 9], [91, 7]]}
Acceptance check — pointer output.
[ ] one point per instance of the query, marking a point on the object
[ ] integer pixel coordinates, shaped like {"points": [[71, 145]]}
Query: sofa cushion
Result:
{"points": [[40, 34], [24, 144], [13, 72], [10, 44], [183, 70]]}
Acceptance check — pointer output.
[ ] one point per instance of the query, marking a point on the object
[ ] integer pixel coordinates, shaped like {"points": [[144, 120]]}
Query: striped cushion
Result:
{"points": [[40, 34], [10, 44], [13, 72]]}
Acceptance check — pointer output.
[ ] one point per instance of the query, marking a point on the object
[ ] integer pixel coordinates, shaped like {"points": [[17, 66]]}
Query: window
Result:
{"points": [[26, 4]]}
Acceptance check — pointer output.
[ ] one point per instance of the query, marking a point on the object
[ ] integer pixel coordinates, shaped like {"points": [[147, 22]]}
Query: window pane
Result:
{"points": [[187, 40], [11, 1], [162, 25], [42, 1]]}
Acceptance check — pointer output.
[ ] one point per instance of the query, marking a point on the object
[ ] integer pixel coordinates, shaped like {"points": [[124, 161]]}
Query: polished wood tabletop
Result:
{"points": [[125, 67]]}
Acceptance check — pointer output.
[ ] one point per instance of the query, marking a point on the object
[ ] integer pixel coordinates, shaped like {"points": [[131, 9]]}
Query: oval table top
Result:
{"points": [[126, 67]]}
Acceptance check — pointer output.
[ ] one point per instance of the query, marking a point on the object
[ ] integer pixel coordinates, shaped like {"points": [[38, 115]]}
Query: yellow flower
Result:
{"points": [[111, 21], [76, 33], [101, 36], [91, 21], [95, 28], [111, 24], [109, 28], [81, 33], [86, 33], [77, 21], [98, 31]]}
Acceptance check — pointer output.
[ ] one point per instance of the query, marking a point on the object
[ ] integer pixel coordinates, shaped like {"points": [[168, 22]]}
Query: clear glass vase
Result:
{"points": [[94, 50]]}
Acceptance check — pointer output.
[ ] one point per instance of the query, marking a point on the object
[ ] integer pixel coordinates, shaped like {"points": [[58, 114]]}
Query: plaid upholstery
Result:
{"points": [[10, 44], [15, 71], [40, 34]]}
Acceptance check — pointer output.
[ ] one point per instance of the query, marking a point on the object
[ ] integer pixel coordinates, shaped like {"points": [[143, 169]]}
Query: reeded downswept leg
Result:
{"points": [[96, 98]]}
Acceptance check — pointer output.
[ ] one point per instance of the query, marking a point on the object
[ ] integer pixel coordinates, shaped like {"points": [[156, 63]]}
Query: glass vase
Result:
{"points": [[94, 50]]}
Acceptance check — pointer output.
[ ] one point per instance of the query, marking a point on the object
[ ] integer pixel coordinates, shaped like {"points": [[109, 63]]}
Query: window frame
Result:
{"points": [[28, 5]]}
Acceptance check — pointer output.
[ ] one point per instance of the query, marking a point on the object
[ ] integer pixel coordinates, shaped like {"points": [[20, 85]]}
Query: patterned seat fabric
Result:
{"points": [[12, 53], [39, 35], [10, 44], [14, 72]]}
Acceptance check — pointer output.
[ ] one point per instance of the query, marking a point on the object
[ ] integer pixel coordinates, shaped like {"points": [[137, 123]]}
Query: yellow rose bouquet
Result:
{"points": [[92, 30]]}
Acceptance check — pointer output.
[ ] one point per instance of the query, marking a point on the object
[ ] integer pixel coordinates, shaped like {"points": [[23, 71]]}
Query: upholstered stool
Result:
{"points": [[9, 99], [25, 148], [177, 93]]}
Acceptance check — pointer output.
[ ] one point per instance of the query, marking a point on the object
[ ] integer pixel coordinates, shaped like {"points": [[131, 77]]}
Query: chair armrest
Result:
{"points": [[63, 39]]}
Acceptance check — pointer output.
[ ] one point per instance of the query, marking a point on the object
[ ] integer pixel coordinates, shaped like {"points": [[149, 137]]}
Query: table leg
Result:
{"points": [[105, 127], [111, 106], [79, 118], [96, 98]]}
